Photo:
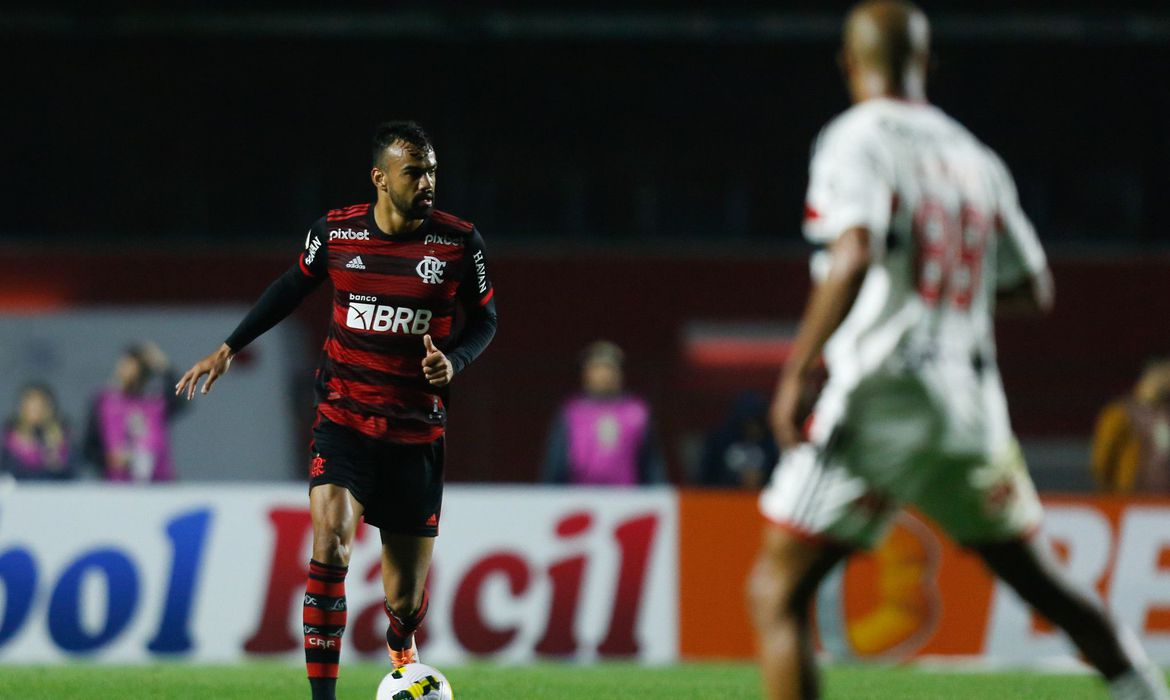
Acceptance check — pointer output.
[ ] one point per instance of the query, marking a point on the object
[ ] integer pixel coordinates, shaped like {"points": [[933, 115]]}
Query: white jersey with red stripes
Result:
{"points": [[946, 231]]}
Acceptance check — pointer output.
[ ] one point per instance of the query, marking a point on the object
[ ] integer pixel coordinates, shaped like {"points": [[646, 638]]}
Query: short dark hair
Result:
{"points": [[390, 133]]}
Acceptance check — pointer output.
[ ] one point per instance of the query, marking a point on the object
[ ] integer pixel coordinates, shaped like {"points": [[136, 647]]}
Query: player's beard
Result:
{"points": [[409, 208]]}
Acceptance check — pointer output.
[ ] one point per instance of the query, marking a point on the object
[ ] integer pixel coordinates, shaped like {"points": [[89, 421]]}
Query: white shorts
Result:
{"points": [[895, 441]]}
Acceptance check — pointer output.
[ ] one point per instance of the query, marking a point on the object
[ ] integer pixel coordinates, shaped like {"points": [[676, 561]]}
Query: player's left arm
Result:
{"points": [[477, 295], [1023, 279], [829, 303]]}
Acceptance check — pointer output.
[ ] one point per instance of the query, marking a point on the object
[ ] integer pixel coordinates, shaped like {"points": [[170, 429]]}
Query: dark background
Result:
{"points": [[599, 122], [635, 167]]}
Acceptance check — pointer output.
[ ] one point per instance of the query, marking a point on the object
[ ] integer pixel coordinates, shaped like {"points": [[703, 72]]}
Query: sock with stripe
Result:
{"points": [[324, 623], [401, 629]]}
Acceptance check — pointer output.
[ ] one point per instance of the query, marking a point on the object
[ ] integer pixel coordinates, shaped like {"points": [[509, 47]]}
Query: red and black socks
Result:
{"points": [[324, 623], [401, 629]]}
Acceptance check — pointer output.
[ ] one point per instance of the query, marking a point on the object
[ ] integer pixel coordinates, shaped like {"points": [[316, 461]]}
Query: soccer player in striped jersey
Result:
{"points": [[399, 270], [924, 237]]}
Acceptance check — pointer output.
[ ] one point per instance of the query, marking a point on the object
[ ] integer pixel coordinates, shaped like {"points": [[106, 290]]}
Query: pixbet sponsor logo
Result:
{"points": [[383, 319], [441, 240], [349, 234]]}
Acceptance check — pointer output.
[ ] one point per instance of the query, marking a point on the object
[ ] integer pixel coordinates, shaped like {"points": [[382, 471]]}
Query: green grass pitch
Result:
{"points": [[556, 682]]}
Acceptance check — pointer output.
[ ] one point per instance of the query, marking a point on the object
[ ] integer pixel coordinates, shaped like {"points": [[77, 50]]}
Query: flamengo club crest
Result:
{"points": [[430, 269]]}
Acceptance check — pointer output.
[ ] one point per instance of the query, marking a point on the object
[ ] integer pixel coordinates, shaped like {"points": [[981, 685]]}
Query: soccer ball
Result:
{"points": [[415, 682]]}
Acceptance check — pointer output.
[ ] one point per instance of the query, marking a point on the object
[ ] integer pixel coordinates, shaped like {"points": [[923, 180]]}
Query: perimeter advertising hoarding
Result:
{"points": [[210, 574], [918, 595], [216, 574]]}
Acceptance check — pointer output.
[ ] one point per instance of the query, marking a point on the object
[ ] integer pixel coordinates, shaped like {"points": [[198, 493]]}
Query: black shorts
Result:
{"points": [[399, 486]]}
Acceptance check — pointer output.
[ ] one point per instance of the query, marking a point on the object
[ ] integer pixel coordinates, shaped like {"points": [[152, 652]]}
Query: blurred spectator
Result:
{"points": [[1131, 446], [127, 434], [36, 441], [603, 436], [742, 451]]}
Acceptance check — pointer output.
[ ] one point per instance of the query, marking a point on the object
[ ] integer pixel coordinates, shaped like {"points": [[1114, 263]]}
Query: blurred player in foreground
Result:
{"points": [[399, 269], [924, 237]]}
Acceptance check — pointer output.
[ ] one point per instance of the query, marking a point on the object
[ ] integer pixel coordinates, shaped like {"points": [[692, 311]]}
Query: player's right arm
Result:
{"points": [[828, 305], [273, 306], [848, 212], [1023, 279]]}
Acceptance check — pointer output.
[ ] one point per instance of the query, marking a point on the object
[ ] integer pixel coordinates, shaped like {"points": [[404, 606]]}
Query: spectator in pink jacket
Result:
{"points": [[128, 436], [603, 436], [36, 440]]}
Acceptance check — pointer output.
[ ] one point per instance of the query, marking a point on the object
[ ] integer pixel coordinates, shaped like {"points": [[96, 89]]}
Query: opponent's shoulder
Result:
{"points": [[450, 224], [350, 213], [859, 122], [995, 162]]}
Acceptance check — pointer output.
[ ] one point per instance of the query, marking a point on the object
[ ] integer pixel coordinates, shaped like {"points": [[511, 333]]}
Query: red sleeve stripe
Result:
{"points": [[347, 212], [487, 297], [301, 262]]}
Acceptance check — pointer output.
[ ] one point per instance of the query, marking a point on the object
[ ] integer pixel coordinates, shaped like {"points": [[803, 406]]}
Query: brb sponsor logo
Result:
{"points": [[364, 314], [430, 269], [71, 601], [349, 235]]}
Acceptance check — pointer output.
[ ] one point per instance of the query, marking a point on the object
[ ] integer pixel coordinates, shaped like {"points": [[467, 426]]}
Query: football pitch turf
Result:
{"points": [[707, 681]]}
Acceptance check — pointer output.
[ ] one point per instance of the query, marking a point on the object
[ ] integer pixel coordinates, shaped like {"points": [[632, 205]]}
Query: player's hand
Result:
{"points": [[784, 415], [214, 366], [436, 366]]}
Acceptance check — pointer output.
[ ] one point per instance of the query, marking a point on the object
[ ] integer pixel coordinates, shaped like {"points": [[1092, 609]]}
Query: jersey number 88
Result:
{"points": [[950, 253]]}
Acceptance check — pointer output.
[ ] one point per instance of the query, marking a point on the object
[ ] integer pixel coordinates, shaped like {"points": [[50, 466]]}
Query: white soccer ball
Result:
{"points": [[415, 682]]}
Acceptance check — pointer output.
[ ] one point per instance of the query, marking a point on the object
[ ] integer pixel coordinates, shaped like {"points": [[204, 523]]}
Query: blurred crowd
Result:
{"points": [[124, 437], [605, 435], [602, 435], [1131, 445]]}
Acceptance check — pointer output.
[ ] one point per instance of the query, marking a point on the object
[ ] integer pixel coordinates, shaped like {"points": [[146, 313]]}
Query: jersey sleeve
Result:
{"points": [[314, 258], [476, 294], [850, 184], [1019, 255], [475, 289]]}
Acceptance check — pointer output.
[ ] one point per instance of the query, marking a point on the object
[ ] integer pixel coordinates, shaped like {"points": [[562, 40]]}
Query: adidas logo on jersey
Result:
{"points": [[356, 264]]}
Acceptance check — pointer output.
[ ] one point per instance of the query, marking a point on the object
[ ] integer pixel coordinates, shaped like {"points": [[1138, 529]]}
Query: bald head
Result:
{"points": [[886, 49]]}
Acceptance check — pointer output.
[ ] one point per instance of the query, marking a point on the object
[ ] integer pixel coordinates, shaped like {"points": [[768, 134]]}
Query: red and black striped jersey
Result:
{"points": [[389, 291]]}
